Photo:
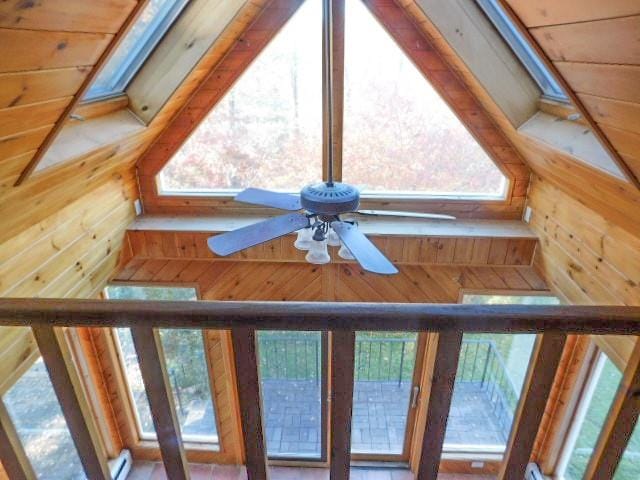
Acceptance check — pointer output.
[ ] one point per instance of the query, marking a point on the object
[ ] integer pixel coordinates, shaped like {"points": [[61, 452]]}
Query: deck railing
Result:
{"points": [[553, 323]]}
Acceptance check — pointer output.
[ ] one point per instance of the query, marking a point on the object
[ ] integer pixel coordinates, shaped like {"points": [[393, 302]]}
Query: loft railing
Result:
{"points": [[553, 323]]}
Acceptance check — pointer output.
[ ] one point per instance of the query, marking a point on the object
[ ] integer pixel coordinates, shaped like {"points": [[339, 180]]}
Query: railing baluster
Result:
{"points": [[342, 376], [620, 423], [441, 391], [156, 383], [12, 454], [537, 387], [68, 387], [250, 398]]}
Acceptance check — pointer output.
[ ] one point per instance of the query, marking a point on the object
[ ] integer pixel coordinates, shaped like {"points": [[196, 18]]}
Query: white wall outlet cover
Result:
{"points": [[527, 214], [138, 206], [477, 464]]}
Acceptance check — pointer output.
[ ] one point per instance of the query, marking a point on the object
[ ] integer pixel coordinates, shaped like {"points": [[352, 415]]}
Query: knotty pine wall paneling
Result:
{"points": [[610, 197]]}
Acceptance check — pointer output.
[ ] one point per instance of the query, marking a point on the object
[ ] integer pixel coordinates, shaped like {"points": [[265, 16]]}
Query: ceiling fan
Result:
{"points": [[318, 207]]}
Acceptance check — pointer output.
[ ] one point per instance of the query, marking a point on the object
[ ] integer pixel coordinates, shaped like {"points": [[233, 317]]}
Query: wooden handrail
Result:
{"points": [[342, 320], [415, 317]]}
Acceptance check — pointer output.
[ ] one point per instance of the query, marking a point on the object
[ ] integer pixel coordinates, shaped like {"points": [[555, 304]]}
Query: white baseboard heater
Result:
{"points": [[533, 473], [121, 466]]}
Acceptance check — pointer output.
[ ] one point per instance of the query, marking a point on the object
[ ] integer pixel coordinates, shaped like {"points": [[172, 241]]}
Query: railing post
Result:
{"points": [[12, 454], [620, 423], [77, 412], [544, 363], [156, 383], [250, 398], [342, 377], [443, 380]]}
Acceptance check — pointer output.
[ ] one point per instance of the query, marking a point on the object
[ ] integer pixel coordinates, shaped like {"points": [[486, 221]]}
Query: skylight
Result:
{"points": [[400, 137], [529, 58], [267, 131], [151, 25]]}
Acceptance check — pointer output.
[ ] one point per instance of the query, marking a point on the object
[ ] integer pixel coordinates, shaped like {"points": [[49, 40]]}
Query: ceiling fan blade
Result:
{"points": [[231, 242], [394, 213], [367, 254], [267, 198]]}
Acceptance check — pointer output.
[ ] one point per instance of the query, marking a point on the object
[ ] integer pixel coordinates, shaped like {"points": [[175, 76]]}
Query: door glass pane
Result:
{"points": [[34, 410], [489, 380], [186, 366], [598, 398], [491, 373], [384, 363], [291, 379]]}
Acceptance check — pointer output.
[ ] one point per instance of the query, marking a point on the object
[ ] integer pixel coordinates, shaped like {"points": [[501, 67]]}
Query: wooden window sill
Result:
{"points": [[571, 138], [512, 229], [81, 138]]}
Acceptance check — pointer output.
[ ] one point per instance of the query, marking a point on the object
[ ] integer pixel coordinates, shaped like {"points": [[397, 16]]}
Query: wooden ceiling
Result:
{"points": [[595, 46], [50, 51]]}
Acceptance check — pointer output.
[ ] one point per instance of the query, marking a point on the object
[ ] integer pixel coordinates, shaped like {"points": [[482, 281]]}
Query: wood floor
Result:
{"points": [[155, 471]]}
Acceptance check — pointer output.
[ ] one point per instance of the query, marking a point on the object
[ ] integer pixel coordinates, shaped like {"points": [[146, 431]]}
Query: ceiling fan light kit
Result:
{"points": [[305, 237], [318, 253], [319, 206]]}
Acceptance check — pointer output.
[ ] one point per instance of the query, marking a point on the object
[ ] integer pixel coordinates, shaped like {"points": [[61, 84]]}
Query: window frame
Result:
{"points": [[191, 442], [596, 359], [132, 63], [531, 61]]}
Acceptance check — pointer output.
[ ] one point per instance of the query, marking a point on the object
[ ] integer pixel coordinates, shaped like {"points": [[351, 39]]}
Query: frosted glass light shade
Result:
{"points": [[318, 253], [345, 253], [303, 242], [332, 239]]}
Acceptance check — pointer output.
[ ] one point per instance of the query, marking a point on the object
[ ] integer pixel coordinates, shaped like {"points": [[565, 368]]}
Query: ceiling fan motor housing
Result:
{"points": [[326, 199]]}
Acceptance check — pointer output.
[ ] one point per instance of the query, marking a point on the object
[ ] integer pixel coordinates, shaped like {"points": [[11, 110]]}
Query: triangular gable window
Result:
{"points": [[400, 137], [267, 131]]}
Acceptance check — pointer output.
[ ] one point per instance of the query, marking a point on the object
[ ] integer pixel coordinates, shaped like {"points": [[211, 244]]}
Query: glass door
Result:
{"points": [[386, 382], [293, 379]]}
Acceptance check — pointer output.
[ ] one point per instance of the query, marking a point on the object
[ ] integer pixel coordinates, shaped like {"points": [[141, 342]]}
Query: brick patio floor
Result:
{"points": [[292, 415]]}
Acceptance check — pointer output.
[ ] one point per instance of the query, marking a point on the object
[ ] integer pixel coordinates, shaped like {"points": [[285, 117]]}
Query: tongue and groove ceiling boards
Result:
{"points": [[49, 52], [596, 47], [414, 45]]}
